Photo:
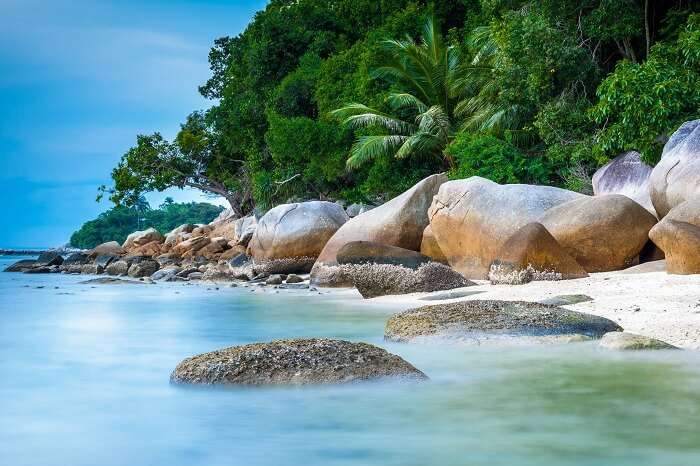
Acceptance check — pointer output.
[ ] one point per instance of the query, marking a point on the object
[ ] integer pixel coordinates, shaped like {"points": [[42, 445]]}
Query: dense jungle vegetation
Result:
{"points": [[359, 99]]}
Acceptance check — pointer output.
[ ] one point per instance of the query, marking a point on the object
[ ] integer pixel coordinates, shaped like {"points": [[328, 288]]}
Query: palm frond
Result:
{"points": [[367, 148]]}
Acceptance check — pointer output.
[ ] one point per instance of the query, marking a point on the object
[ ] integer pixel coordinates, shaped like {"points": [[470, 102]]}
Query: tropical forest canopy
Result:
{"points": [[116, 223], [359, 99]]}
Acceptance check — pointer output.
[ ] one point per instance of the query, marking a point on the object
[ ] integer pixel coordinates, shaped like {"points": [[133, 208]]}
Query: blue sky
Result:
{"points": [[78, 80]]}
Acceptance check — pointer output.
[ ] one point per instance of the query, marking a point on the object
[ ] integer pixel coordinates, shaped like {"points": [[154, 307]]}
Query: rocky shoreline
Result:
{"points": [[440, 235]]}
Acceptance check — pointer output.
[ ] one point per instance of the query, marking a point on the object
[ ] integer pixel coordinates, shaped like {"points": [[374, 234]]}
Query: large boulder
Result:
{"points": [[140, 238], [176, 234], [479, 318], [429, 246], [367, 252], [676, 178], [680, 242], [111, 248], [191, 245], [373, 280], [290, 237], [21, 265], [601, 233], [472, 218], [74, 263], [49, 258], [532, 253], [626, 174], [153, 249], [293, 362], [143, 268], [122, 266], [399, 222], [244, 229]]}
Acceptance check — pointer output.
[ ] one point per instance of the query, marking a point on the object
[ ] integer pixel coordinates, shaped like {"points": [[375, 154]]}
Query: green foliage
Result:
{"points": [[119, 221], [420, 116], [533, 91], [495, 159], [642, 104]]}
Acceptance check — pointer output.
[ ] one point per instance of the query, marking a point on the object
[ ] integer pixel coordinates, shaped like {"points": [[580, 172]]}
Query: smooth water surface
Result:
{"points": [[84, 381]]}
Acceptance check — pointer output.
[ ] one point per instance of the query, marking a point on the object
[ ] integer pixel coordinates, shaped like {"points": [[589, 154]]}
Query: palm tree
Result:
{"points": [[482, 110], [421, 118]]}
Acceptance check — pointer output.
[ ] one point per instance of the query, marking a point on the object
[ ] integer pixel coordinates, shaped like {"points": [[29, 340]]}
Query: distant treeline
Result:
{"points": [[116, 223]]}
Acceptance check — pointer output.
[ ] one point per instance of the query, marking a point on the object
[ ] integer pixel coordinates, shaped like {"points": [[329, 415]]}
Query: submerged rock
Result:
{"points": [[21, 265], [295, 362], [49, 258], [111, 281], [508, 318], [566, 299], [631, 341]]}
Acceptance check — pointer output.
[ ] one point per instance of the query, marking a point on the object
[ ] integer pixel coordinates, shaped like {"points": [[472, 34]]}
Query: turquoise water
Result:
{"points": [[84, 381]]}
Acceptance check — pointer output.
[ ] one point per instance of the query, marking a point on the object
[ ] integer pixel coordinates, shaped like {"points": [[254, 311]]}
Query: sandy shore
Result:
{"points": [[654, 304]]}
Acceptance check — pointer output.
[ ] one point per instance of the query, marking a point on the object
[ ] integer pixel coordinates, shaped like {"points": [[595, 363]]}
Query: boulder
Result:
{"points": [[677, 235], [275, 279], [676, 178], [602, 233], [191, 245], [118, 267], [21, 265], [202, 230], [626, 174], [530, 254], [243, 229], [153, 249], [367, 252], [103, 260], [140, 238], [353, 210], [110, 248], [294, 362], [175, 235], [373, 280], [631, 341], [166, 274], [399, 222], [91, 269], [495, 318], [49, 258], [77, 258], [429, 246], [111, 281], [680, 242], [291, 279], [290, 237], [231, 252], [241, 267], [472, 218], [143, 268]]}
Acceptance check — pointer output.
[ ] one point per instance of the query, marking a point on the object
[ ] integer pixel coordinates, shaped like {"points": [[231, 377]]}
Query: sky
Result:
{"points": [[79, 80]]}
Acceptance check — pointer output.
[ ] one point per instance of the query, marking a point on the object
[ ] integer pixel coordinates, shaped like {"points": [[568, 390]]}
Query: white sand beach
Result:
{"points": [[654, 304]]}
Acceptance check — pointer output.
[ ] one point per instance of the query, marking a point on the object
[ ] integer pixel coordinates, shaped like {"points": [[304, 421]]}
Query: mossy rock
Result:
{"points": [[490, 317], [294, 362]]}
